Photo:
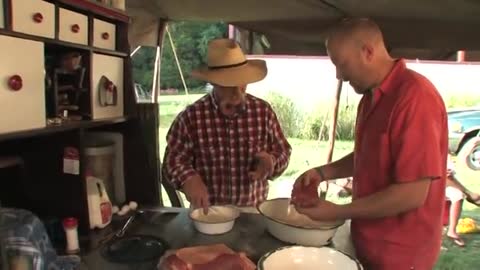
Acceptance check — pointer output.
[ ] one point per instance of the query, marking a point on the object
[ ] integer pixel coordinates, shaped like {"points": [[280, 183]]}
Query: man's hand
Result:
{"points": [[309, 177], [305, 196], [322, 210], [305, 189], [262, 167], [196, 192]]}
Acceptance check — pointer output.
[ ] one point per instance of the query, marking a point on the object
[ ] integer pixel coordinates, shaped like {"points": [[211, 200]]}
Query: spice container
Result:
{"points": [[70, 226], [119, 4]]}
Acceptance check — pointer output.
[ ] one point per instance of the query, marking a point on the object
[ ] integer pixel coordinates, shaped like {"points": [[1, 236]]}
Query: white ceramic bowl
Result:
{"points": [[307, 258], [220, 219], [286, 224]]}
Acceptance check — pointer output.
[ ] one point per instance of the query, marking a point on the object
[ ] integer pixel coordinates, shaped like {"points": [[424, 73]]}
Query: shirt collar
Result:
{"points": [[217, 107], [391, 81]]}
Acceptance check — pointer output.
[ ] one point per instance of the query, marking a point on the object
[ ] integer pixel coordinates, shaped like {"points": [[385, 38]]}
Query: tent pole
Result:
{"points": [[162, 25], [176, 60], [332, 133]]}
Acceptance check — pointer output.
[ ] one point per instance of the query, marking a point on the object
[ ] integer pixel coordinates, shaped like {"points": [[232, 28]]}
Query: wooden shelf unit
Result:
{"points": [[42, 147]]}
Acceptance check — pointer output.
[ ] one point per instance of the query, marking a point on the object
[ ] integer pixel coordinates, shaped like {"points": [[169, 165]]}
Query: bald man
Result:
{"points": [[399, 160]]}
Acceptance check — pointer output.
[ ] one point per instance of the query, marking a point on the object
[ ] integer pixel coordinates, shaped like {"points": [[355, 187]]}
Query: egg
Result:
{"points": [[133, 205], [124, 210]]}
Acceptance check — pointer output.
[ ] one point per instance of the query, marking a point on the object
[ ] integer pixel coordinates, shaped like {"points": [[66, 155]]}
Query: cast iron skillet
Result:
{"points": [[134, 249]]}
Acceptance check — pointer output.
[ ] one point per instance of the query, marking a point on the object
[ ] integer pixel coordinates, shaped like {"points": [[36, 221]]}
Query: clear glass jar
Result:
{"points": [[12, 257]]}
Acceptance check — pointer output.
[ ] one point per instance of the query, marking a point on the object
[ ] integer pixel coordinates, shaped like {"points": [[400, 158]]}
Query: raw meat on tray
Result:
{"points": [[211, 257]]}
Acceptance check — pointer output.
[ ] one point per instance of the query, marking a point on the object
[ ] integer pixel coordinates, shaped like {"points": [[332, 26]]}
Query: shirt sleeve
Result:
{"points": [[279, 147], [178, 158], [418, 138]]}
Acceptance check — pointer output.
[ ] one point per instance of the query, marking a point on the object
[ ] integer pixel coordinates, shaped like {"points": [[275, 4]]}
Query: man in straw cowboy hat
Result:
{"points": [[399, 160], [223, 148]]}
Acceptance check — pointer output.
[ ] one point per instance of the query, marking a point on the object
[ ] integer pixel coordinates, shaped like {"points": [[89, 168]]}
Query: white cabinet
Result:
{"points": [[22, 90], [104, 34], [35, 17], [107, 86], [2, 17], [73, 27]]}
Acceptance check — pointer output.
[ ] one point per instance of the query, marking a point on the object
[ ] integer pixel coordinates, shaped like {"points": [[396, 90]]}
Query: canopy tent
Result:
{"points": [[427, 29]]}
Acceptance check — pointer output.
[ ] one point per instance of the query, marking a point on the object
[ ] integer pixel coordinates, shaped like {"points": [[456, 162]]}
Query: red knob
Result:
{"points": [[38, 17], [15, 82], [109, 85], [105, 36], [75, 28]]}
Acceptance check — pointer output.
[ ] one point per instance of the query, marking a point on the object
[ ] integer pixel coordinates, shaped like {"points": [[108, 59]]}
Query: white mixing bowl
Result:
{"points": [[220, 219], [286, 224], [307, 258]]}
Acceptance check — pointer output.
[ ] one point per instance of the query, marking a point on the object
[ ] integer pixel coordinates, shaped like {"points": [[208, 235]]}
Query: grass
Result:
{"points": [[308, 153]]}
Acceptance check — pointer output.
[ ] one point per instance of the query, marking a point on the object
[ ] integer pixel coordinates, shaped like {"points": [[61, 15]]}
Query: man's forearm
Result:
{"points": [[394, 200], [341, 168]]}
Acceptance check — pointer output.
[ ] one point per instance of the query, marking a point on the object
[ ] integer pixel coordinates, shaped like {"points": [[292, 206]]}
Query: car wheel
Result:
{"points": [[470, 153]]}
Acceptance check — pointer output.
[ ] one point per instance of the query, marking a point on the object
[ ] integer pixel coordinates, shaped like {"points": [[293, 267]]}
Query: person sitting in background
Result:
{"points": [[223, 148], [456, 192]]}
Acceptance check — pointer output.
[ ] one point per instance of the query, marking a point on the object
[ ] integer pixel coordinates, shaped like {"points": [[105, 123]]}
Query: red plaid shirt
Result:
{"points": [[221, 149]]}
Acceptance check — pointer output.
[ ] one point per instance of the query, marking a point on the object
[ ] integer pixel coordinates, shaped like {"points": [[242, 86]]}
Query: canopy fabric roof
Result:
{"points": [[430, 29]]}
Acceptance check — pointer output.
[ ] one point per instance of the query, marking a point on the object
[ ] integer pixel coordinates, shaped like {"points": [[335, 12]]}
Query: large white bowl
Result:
{"points": [[307, 258], [286, 224], [220, 219]]}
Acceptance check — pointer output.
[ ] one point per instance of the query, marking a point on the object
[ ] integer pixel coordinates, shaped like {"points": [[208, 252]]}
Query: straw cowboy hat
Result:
{"points": [[228, 66]]}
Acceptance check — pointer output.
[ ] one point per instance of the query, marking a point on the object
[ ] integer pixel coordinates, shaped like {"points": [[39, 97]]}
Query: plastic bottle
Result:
{"points": [[70, 226]]}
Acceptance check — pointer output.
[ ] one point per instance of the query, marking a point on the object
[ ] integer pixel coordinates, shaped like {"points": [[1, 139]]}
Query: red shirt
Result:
{"points": [[401, 137], [222, 149]]}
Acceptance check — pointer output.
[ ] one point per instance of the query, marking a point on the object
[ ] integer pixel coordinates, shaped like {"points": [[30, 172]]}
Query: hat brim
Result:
{"points": [[253, 71]]}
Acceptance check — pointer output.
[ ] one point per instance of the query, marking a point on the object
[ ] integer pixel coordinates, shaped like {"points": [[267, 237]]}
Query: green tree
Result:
{"points": [[143, 65], [190, 40]]}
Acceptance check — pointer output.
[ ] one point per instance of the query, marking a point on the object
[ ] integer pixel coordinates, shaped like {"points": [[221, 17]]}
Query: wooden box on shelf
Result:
{"points": [[68, 95]]}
